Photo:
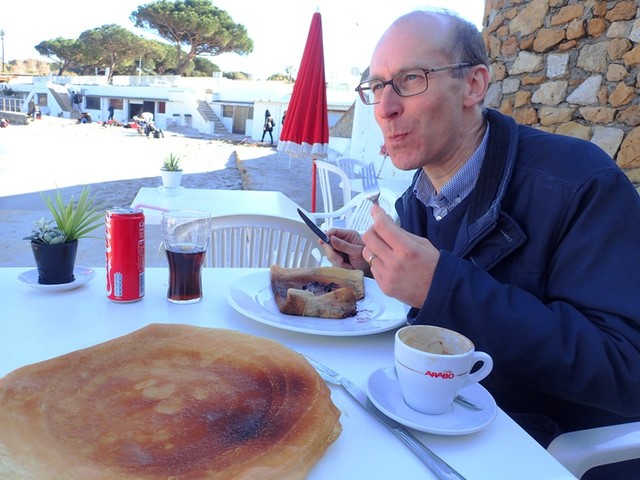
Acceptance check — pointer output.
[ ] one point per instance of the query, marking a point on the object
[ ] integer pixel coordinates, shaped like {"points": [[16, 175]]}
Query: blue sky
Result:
{"points": [[278, 28]]}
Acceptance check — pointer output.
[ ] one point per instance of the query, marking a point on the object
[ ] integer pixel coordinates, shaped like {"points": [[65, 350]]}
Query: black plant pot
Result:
{"points": [[55, 262]]}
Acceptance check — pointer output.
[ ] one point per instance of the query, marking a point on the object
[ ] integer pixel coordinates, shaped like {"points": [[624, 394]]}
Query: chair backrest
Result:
{"points": [[582, 450], [326, 173], [356, 214], [244, 241], [352, 167], [360, 219]]}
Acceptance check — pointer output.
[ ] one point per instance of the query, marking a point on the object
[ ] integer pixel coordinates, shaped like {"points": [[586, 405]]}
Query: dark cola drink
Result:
{"points": [[185, 280]]}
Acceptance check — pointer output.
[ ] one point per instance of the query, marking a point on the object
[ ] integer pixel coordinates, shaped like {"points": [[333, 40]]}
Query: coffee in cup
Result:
{"points": [[433, 364]]}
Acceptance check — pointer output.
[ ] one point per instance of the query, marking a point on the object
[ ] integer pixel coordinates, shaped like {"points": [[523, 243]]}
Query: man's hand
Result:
{"points": [[402, 263], [346, 241]]}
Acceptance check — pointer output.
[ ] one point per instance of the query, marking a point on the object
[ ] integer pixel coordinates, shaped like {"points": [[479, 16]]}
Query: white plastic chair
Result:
{"points": [[261, 241], [352, 167], [356, 214], [584, 449], [326, 172]]}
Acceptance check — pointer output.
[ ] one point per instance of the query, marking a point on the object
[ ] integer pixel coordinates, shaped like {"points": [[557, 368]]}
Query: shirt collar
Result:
{"points": [[457, 188]]}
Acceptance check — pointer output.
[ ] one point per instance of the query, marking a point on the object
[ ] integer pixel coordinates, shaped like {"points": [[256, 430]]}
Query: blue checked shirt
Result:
{"points": [[456, 189]]}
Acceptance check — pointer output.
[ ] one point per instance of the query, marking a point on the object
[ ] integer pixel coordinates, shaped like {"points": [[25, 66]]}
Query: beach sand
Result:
{"points": [[115, 163]]}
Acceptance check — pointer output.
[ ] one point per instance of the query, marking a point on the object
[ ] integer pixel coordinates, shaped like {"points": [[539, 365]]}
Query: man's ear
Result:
{"points": [[477, 83]]}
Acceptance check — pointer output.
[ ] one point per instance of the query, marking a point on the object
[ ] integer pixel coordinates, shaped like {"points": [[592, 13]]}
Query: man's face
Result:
{"points": [[425, 129]]}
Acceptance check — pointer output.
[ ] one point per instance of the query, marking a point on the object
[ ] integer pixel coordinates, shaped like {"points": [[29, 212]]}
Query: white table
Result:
{"points": [[217, 202], [38, 325]]}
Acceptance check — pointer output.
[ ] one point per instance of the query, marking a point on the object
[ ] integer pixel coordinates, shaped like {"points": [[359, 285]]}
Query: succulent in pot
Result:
{"points": [[171, 171], [55, 247], [171, 163], [45, 233]]}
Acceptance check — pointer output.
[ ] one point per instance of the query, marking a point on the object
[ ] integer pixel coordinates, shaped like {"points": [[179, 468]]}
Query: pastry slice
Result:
{"points": [[325, 292]]}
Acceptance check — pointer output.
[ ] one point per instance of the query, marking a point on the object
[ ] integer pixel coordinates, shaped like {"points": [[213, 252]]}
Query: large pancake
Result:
{"points": [[167, 401]]}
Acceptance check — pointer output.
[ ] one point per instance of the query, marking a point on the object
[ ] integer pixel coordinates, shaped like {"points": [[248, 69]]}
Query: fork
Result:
{"points": [[370, 183]]}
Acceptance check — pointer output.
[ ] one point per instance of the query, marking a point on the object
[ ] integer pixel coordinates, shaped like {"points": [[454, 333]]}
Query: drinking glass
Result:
{"points": [[185, 237]]}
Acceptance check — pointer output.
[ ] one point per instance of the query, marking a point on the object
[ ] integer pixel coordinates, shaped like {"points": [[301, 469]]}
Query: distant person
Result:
{"points": [[85, 118], [35, 112], [76, 101], [111, 110], [269, 123], [152, 131], [283, 115]]}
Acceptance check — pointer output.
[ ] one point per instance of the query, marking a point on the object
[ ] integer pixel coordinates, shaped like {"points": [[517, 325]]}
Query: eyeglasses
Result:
{"points": [[405, 84]]}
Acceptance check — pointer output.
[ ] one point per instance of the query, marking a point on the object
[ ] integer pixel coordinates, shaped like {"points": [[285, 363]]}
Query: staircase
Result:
{"points": [[62, 97], [210, 116]]}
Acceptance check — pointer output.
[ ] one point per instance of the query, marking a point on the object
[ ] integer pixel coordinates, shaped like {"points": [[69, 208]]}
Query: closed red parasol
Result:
{"points": [[305, 132]]}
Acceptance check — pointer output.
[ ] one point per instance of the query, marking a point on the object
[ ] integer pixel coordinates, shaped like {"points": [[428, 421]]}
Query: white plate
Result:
{"points": [[252, 296], [82, 275], [384, 392]]}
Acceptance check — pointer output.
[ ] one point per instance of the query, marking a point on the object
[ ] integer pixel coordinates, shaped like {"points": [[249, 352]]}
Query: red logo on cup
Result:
{"points": [[448, 375]]}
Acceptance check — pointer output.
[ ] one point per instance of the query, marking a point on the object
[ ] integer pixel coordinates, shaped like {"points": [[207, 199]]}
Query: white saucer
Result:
{"points": [[384, 392], [171, 192], [82, 275]]}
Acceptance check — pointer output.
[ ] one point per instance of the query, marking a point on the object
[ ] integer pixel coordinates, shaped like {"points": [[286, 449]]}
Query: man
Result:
{"points": [[526, 242], [147, 117], [269, 123]]}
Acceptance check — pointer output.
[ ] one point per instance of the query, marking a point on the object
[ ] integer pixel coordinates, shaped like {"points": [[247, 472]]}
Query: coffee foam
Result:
{"points": [[448, 343]]}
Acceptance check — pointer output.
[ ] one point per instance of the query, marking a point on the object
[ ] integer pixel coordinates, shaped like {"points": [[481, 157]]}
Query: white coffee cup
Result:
{"points": [[433, 364]]}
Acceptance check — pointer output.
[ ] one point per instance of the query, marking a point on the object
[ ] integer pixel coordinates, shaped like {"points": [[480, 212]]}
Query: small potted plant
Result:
{"points": [[171, 171], [55, 247]]}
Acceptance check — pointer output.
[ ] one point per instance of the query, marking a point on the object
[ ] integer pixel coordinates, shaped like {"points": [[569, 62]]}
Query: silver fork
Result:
{"points": [[370, 183], [438, 466]]}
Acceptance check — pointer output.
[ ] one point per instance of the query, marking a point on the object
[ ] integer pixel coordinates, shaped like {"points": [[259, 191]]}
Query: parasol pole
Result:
{"points": [[313, 184]]}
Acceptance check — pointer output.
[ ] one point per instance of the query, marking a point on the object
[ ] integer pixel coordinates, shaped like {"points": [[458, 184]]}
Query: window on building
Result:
{"points": [[43, 99], [250, 113], [162, 107], [92, 103], [227, 111]]}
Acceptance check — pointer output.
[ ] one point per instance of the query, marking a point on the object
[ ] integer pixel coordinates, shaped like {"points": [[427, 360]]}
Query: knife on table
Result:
{"points": [[437, 465], [323, 236]]}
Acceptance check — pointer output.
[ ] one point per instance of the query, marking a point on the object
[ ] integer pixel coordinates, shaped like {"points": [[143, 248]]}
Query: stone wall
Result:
{"points": [[15, 118], [571, 67]]}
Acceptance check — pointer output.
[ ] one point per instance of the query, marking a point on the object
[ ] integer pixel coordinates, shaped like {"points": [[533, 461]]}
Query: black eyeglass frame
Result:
{"points": [[426, 71]]}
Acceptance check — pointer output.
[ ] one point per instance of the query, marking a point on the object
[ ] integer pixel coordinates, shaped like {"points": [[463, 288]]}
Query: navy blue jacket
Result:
{"points": [[545, 277]]}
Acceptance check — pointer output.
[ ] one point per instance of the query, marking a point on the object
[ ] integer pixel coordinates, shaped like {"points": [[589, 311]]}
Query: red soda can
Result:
{"points": [[125, 254]]}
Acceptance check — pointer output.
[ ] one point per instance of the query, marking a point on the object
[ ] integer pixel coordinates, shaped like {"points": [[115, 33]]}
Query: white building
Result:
{"points": [[212, 106]]}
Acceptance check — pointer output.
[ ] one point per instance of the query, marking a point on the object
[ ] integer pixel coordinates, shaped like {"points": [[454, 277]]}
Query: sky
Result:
{"points": [[278, 28]]}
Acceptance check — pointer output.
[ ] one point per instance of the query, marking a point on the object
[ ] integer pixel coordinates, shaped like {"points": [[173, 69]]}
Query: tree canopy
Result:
{"points": [[195, 24], [66, 52], [109, 46], [120, 51]]}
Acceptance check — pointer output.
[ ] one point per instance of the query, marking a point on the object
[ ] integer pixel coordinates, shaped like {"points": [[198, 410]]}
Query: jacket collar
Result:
{"points": [[484, 213], [487, 234]]}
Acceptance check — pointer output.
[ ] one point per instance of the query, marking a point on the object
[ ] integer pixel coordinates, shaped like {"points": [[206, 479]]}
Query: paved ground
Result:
{"points": [[115, 163]]}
